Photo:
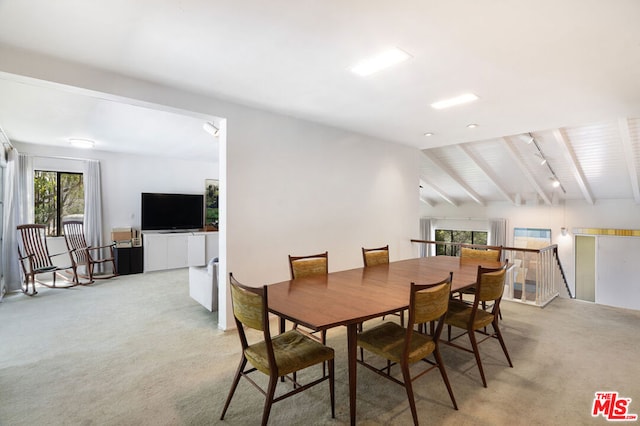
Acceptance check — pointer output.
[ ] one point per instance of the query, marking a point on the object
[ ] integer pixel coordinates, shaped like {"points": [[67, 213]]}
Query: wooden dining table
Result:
{"points": [[348, 298]]}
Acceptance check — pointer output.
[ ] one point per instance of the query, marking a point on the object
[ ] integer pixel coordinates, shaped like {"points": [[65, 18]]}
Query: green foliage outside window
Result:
{"points": [[57, 195], [456, 236]]}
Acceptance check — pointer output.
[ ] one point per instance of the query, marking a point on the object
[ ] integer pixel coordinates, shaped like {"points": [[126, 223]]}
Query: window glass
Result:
{"points": [[57, 196], [457, 236]]}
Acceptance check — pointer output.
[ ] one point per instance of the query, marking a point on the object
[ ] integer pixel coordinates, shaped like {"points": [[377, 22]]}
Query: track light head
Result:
{"points": [[210, 128]]}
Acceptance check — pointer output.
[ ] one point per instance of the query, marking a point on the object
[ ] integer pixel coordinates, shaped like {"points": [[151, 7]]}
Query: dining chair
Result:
{"points": [[379, 256], [471, 252], [310, 266], [473, 319], [405, 346], [35, 259], [84, 255], [278, 356], [490, 253]]}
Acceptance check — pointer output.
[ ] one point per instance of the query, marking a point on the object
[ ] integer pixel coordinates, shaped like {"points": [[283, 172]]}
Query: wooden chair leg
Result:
{"points": [[271, 390], [234, 385], [476, 352], [501, 340], [406, 375], [445, 378]]}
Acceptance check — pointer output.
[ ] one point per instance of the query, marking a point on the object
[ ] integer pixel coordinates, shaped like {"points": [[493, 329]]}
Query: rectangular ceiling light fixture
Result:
{"points": [[381, 61], [458, 100]]}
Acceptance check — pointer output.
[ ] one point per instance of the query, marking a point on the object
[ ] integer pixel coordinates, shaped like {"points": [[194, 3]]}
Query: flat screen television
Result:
{"points": [[172, 212]]}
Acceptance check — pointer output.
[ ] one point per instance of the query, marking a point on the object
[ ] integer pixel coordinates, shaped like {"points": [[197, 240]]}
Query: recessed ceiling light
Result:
{"points": [[472, 125], [458, 100], [380, 61], [428, 134], [82, 143]]}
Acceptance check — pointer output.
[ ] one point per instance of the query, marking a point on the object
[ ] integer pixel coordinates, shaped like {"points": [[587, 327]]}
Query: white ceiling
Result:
{"points": [[567, 71]]}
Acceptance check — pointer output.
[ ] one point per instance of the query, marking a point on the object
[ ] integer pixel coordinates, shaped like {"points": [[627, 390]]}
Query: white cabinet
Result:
{"points": [[178, 250]]}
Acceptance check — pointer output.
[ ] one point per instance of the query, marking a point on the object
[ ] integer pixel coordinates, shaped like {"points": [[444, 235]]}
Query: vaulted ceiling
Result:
{"points": [[592, 162], [564, 72]]}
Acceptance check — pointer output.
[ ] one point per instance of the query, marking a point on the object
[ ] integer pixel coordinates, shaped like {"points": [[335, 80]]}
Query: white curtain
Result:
{"points": [[425, 234], [18, 197], [92, 203], [498, 232]]}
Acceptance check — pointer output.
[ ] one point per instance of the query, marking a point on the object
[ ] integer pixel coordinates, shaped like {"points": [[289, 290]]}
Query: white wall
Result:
{"points": [[614, 214], [288, 186]]}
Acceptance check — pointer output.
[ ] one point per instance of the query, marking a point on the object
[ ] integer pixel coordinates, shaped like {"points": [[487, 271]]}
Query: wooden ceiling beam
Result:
{"points": [[572, 160], [470, 192], [488, 172], [629, 156]]}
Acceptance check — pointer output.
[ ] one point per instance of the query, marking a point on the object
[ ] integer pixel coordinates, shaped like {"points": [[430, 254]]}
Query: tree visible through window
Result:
{"points": [[455, 236], [57, 195]]}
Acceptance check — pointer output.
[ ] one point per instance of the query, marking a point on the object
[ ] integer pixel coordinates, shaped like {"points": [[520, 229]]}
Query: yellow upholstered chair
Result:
{"points": [[379, 256], [490, 253], [310, 266], [473, 319], [277, 356], [405, 346], [375, 256]]}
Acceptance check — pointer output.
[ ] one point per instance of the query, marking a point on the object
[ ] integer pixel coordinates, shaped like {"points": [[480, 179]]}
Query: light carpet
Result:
{"points": [[137, 350]]}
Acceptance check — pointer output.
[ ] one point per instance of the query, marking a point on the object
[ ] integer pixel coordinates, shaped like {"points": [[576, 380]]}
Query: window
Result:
{"points": [[454, 236], [57, 196]]}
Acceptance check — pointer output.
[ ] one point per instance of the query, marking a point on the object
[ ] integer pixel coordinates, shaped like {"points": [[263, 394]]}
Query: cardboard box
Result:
{"points": [[121, 234]]}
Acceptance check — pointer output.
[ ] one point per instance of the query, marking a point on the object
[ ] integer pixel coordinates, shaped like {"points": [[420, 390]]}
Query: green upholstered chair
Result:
{"points": [[278, 356], [405, 346], [310, 266], [473, 319]]}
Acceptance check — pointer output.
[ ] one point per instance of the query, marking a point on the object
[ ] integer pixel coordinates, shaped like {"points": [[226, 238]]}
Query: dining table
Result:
{"points": [[350, 297]]}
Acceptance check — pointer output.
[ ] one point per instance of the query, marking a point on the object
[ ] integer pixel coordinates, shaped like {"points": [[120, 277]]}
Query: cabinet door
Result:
{"points": [[177, 248], [196, 250], [155, 252]]}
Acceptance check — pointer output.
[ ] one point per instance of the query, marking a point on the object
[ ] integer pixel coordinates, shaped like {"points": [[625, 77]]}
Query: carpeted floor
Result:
{"points": [[136, 350]]}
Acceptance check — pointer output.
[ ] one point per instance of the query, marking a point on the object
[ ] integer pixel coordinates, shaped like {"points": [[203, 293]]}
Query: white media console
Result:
{"points": [[169, 250]]}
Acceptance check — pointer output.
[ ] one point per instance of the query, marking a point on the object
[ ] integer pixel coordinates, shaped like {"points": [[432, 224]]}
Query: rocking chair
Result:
{"points": [[35, 259], [84, 255]]}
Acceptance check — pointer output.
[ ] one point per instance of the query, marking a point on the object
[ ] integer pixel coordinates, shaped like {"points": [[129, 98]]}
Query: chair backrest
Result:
{"points": [[75, 240], [490, 283], [491, 253], [33, 244], [249, 304], [308, 266], [375, 256], [429, 302]]}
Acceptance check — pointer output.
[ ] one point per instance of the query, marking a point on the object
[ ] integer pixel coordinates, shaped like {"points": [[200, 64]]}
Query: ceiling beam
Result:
{"points": [[523, 168], [438, 191], [470, 192], [571, 158], [482, 165], [623, 126]]}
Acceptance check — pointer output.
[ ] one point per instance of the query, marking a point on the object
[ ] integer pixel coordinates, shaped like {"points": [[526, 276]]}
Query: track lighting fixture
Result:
{"points": [[210, 128]]}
